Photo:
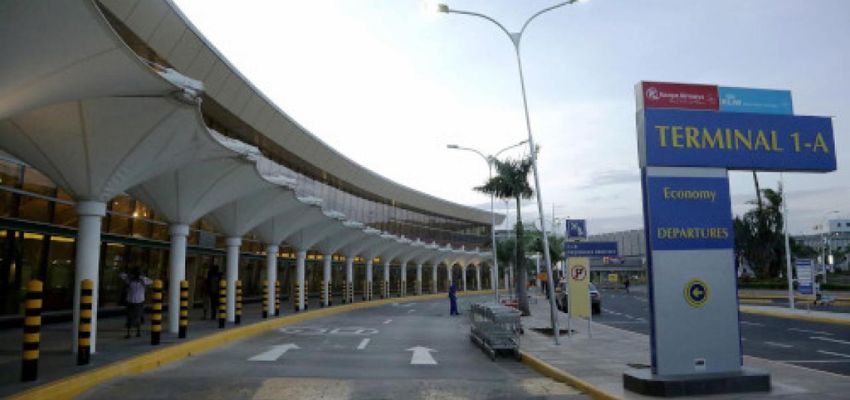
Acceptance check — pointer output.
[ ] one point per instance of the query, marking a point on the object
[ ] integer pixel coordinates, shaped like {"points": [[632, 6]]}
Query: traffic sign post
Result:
{"points": [[689, 136]]}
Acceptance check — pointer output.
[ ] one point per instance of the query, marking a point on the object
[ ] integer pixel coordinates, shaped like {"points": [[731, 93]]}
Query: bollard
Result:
{"points": [[156, 314], [184, 309], [265, 299], [383, 288], [84, 335], [295, 295], [306, 290], [322, 294], [238, 318], [350, 292], [222, 303], [369, 291], [277, 295], [402, 289], [32, 331]]}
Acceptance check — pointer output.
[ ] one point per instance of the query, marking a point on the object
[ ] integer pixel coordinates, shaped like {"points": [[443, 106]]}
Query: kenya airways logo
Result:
{"points": [[652, 93]]}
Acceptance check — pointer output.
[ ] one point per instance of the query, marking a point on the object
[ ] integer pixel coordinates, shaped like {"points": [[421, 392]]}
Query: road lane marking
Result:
{"points": [[809, 331], [274, 352], [363, 344], [421, 356], [387, 321], [775, 344], [751, 323], [830, 353], [815, 361], [410, 311], [826, 339]]}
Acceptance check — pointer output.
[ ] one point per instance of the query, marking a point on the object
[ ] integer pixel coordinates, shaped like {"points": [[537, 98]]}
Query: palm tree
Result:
{"points": [[511, 182]]}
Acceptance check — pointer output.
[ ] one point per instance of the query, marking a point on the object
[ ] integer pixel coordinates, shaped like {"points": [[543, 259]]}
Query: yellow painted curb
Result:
{"points": [[803, 317], [551, 371], [77, 384], [754, 301]]}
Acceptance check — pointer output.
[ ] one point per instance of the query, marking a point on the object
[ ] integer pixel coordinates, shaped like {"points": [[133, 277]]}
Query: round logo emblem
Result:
{"points": [[696, 293]]}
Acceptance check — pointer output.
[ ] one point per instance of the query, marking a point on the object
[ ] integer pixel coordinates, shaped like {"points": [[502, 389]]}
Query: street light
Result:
{"points": [[823, 240], [490, 161], [516, 38]]}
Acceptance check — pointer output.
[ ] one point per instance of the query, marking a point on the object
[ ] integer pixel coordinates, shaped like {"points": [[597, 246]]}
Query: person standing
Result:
{"points": [[213, 278], [453, 299], [135, 299], [626, 283]]}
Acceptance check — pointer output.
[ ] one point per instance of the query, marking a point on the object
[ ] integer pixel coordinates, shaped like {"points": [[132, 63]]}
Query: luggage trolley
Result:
{"points": [[495, 328]]}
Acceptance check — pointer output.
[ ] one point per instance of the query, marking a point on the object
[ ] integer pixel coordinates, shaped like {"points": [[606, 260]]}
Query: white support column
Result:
{"points": [[367, 290], [232, 275], [176, 273], [349, 278], [449, 274], [463, 276], [300, 260], [434, 269], [419, 279], [271, 275], [386, 293], [402, 288], [478, 277], [326, 277], [87, 262], [511, 281]]}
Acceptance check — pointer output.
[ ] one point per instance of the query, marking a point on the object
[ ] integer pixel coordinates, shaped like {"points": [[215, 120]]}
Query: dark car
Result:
{"points": [[562, 296]]}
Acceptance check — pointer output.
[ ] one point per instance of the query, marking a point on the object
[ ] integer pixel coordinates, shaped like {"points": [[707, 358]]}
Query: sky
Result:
{"points": [[389, 85]]}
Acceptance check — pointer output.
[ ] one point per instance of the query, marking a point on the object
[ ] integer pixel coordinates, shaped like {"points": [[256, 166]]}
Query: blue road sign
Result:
{"points": [[689, 213], [591, 249], [760, 101], [576, 229], [770, 142], [805, 275]]}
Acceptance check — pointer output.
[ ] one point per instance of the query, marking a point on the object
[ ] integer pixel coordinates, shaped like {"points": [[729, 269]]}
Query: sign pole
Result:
{"points": [[787, 242]]}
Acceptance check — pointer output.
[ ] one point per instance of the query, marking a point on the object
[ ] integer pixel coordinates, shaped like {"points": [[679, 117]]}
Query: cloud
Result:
{"points": [[610, 178]]}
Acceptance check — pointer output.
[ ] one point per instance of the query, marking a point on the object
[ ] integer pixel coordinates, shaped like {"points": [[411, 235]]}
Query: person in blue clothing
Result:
{"points": [[453, 299]]}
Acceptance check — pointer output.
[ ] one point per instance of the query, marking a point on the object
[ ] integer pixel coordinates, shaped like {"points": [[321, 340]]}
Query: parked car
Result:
{"points": [[562, 297]]}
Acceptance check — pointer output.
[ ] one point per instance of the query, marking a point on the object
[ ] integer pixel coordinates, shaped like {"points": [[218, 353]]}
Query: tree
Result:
{"points": [[511, 182], [759, 235], [556, 247]]}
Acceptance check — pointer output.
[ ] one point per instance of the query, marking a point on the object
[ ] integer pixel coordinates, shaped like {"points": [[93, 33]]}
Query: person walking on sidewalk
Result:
{"points": [[135, 299], [453, 299], [213, 278], [626, 283]]}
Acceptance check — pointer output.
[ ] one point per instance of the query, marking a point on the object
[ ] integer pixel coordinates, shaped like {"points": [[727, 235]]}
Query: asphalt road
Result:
{"points": [[403, 350], [813, 345]]}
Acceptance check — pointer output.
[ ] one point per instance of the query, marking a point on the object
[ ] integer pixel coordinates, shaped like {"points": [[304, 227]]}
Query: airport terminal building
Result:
{"points": [[127, 141]]}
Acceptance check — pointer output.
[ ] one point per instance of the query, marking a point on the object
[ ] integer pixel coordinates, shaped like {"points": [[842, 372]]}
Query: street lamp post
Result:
{"points": [[516, 38], [490, 160], [823, 241]]}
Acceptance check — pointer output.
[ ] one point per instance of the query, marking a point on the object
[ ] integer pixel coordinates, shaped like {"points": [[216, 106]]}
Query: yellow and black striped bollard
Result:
{"points": [[296, 294], [156, 314], [184, 310], [265, 299], [222, 303], [277, 295], [345, 292], [238, 318], [84, 331], [32, 331], [351, 292], [322, 294]]}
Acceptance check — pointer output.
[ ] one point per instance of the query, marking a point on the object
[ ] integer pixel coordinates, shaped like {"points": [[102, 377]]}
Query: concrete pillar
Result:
{"points": [[176, 273], [271, 274], [326, 277], [349, 277], [463, 276], [402, 288], [449, 274], [87, 262], [434, 277], [367, 290], [232, 275], [478, 277], [300, 260], [511, 282], [386, 292], [419, 279]]}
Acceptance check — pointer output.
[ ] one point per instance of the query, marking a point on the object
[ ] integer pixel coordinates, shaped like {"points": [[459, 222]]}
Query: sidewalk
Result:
{"points": [[56, 360], [601, 360]]}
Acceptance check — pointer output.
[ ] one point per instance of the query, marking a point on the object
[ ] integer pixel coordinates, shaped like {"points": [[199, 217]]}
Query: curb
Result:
{"points": [[559, 375], [77, 384], [804, 317]]}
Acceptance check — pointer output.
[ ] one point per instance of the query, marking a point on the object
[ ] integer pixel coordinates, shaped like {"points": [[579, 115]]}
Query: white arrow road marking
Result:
{"points": [[274, 353], [422, 356], [751, 323], [810, 331], [826, 339], [363, 344], [387, 321]]}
